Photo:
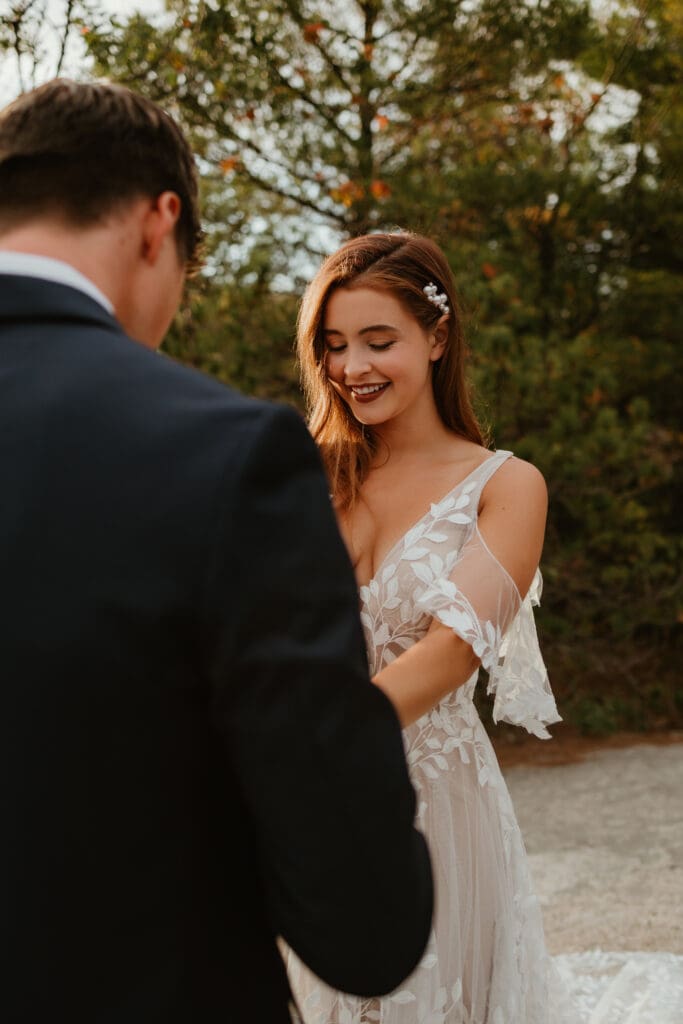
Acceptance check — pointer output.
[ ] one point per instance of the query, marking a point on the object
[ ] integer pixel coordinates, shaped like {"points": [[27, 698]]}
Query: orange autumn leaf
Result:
{"points": [[312, 31], [347, 193], [382, 122], [229, 164], [380, 189], [596, 397], [489, 271], [368, 51]]}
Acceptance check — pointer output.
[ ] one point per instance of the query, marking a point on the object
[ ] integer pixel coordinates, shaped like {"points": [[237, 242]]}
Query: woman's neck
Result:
{"points": [[418, 432]]}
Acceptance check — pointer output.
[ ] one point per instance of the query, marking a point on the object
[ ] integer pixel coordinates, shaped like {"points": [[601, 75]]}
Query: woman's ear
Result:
{"points": [[439, 337]]}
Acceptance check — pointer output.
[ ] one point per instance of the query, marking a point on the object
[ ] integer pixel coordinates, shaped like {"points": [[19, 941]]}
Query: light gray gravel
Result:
{"points": [[605, 842]]}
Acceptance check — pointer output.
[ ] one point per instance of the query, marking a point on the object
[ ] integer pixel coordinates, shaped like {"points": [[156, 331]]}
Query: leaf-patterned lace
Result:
{"points": [[486, 961], [443, 569]]}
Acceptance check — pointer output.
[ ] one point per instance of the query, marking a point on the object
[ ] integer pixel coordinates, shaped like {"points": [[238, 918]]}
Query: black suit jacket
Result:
{"points": [[194, 760]]}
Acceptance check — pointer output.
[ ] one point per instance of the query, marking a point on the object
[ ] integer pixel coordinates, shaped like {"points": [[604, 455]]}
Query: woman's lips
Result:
{"points": [[368, 392]]}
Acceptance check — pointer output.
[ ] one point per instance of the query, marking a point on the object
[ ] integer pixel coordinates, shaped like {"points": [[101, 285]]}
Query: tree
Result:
{"points": [[37, 39], [313, 119], [539, 143], [496, 128]]}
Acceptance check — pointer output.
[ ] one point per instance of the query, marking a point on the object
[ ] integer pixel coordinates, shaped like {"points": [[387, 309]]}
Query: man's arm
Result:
{"points": [[316, 746]]}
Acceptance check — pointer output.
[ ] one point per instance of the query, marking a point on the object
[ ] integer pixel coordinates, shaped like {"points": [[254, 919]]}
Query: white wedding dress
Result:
{"points": [[486, 962]]}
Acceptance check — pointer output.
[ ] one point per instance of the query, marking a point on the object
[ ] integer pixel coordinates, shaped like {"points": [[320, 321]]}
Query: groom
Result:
{"points": [[194, 759]]}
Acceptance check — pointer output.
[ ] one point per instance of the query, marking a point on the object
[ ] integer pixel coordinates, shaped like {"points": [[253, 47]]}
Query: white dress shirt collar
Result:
{"points": [[29, 265]]}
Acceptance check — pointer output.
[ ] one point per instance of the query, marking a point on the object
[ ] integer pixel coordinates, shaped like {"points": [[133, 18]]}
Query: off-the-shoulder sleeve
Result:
{"points": [[479, 601]]}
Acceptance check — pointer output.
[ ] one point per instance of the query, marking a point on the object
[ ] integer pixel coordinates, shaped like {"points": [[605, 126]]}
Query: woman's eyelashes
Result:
{"points": [[376, 346]]}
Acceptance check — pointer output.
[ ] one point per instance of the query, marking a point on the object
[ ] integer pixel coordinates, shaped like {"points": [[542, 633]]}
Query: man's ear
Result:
{"points": [[160, 219], [439, 338]]}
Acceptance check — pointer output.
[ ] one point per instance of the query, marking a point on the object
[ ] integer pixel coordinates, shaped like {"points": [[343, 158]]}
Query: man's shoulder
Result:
{"points": [[191, 388], [157, 389], [157, 379], [86, 360]]}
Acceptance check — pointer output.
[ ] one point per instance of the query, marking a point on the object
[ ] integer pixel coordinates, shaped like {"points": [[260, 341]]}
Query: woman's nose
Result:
{"points": [[356, 365]]}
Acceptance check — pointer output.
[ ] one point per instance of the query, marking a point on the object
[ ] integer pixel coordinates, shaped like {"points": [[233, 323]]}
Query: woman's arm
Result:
{"points": [[511, 523]]}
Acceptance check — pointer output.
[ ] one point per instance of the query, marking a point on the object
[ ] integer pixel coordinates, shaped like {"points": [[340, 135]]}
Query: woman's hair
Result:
{"points": [[402, 264]]}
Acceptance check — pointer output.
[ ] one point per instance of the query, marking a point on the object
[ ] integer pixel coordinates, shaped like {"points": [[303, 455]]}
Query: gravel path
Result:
{"points": [[605, 841]]}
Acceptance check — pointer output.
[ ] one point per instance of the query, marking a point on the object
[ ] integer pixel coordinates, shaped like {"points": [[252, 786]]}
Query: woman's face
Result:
{"points": [[378, 357]]}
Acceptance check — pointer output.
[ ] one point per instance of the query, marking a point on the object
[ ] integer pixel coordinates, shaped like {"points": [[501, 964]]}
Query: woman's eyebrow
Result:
{"points": [[378, 327], [365, 330]]}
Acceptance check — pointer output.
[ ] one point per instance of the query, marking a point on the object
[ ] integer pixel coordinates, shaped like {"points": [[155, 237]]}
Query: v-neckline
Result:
{"points": [[424, 515]]}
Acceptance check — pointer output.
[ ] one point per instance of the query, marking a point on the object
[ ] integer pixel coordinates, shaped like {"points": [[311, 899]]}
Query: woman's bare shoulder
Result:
{"points": [[517, 481], [512, 518]]}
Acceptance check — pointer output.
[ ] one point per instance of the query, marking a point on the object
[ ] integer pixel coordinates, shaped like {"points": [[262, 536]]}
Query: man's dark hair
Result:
{"points": [[80, 150]]}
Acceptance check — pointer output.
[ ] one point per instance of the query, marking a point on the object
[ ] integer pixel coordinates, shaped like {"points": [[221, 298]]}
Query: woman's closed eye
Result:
{"points": [[376, 346]]}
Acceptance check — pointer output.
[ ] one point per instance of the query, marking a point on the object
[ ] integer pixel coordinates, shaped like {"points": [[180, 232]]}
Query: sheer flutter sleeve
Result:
{"points": [[479, 601]]}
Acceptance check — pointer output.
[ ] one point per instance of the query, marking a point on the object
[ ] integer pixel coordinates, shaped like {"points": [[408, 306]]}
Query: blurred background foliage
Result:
{"points": [[540, 143]]}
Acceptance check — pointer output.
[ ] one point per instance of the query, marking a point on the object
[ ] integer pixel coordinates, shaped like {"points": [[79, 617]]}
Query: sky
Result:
{"points": [[49, 39]]}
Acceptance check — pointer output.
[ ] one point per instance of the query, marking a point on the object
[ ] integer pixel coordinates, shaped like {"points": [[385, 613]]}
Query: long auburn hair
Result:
{"points": [[400, 263]]}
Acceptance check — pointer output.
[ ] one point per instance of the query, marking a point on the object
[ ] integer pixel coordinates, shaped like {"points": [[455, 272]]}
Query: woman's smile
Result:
{"points": [[367, 392]]}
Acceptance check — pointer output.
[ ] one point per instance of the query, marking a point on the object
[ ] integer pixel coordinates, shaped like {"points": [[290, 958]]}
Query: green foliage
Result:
{"points": [[487, 126], [540, 145], [242, 334]]}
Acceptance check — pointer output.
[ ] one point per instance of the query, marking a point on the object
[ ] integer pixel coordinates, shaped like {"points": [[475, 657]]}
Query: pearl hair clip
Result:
{"points": [[439, 299]]}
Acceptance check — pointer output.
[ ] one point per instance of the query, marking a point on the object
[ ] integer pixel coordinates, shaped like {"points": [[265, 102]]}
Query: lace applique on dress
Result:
{"points": [[486, 962]]}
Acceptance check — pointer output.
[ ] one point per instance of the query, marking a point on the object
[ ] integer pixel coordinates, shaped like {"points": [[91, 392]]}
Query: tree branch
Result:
{"points": [[65, 36], [302, 95], [301, 201], [295, 14]]}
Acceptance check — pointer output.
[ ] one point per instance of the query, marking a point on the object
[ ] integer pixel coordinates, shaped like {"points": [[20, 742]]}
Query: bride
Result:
{"points": [[445, 537]]}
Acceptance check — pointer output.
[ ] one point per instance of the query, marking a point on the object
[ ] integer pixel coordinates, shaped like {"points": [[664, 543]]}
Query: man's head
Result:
{"points": [[102, 178]]}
